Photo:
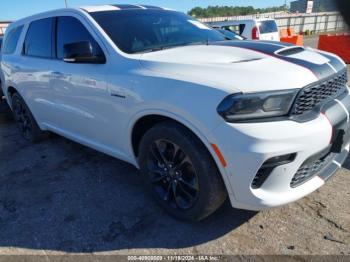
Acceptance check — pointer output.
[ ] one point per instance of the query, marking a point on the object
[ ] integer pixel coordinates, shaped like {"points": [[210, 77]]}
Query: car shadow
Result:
{"points": [[58, 195]]}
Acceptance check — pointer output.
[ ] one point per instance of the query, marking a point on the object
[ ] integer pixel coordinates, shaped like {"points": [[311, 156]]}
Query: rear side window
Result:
{"points": [[12, 38], [38, 40], [268, 27], [238, 29], [71, 30], [233, 28]]}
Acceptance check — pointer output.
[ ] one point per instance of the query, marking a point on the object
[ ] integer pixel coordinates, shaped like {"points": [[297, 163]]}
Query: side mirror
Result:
{"points": [[83, 53]]}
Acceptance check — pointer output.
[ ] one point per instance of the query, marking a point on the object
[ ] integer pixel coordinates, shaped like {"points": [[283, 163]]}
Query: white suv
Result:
{"points": [[252, 29], [202, 117]]}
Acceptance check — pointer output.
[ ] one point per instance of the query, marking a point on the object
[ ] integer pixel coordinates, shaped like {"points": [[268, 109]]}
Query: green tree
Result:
{"points": [[215, 11]]}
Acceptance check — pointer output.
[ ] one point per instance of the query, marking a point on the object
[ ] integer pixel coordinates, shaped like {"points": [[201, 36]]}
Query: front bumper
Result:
{"points": [[247, 146]]}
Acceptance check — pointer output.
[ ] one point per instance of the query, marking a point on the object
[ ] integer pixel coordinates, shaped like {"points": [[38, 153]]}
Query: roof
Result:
{"points": [[86, 9], [100, 8]]}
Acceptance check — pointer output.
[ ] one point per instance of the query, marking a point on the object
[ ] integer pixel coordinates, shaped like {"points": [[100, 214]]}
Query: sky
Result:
{"points": [[15, 9]]}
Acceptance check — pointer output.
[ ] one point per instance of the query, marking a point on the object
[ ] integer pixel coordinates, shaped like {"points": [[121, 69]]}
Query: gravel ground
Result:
{"points": [[58, 197]]}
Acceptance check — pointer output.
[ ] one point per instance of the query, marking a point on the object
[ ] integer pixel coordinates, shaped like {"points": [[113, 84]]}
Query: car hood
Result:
{"points": [[243, 66]]}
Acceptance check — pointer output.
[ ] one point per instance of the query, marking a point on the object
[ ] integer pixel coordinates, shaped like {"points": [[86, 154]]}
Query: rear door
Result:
{"points": [[268, 30], [33, 69]]}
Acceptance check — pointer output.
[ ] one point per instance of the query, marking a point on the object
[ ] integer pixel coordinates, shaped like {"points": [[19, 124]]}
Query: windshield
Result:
{"points": [[136, 31]]}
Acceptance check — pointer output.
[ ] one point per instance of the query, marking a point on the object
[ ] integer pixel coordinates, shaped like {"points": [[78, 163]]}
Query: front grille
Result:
{"points": [[312, 96], [309, 170]]}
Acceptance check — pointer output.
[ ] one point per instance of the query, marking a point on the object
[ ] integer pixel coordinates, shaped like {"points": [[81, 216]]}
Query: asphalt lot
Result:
{"points": [[58, 197]]}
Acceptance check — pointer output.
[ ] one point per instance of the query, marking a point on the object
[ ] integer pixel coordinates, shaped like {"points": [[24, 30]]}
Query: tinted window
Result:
{"points": [[0, 43], [230, 35], [241, 28], [12, 37], [38, 40], [237, 29], [232, 28], [151, 30], [71, 30], [268, 27]]}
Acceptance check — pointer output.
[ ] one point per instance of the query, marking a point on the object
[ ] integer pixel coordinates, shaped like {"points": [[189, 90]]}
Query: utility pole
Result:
{"points": [[65, 2]]}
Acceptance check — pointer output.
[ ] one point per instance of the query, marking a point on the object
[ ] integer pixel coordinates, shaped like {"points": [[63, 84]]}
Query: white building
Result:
{"points": [[3, 26]]}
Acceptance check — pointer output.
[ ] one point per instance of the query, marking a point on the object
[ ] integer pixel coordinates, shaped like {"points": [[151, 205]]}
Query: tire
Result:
{"points": [[4, 107], [174, 162], [25, 121]]}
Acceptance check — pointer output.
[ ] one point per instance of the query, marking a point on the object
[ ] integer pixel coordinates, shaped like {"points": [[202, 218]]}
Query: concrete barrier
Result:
{"points": [[289, 36], [338, 44], [296, 40]]}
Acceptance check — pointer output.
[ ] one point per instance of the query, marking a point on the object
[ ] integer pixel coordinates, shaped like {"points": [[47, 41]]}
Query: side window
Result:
{"points": [[38, 40], [233, 28], [241, 28], [71, 30], [11, 40]]}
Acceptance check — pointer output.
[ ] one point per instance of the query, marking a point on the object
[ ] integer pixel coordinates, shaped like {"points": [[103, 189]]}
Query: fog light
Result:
{"points": [[268, 166]]}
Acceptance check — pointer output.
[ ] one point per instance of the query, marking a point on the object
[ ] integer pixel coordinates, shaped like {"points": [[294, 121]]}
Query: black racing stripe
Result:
{"points": [[335, 62], [321, 71], [276, 43], [152, 7], [261, 47], [122, 7]]}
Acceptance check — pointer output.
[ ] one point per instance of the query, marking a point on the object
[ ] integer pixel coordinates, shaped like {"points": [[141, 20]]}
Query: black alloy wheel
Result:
{"points": [[180, 172], [22, 118], [25, 121], [172, 174]]}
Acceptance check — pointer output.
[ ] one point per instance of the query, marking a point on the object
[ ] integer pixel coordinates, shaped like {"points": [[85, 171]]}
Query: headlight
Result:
{"points": [[241, 107]]}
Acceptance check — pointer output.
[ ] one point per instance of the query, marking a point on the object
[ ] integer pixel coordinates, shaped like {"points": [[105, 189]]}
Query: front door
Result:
{"points": [[82, 101]]}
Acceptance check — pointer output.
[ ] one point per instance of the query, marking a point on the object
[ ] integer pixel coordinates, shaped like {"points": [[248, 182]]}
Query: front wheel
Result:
{"points": [[180, 172]]}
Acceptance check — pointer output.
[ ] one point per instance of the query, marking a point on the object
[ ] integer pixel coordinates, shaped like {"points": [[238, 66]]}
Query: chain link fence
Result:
{"points": [[315, 22]]}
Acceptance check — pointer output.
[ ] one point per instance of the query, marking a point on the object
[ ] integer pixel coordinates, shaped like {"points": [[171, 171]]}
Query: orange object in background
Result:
{"points": [[337, 44], [289, 36], [296, 40], [284, 33], [291, 31]]}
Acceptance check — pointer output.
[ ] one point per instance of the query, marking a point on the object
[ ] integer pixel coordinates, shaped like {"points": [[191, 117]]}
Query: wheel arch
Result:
{"points": [[147, 120]]}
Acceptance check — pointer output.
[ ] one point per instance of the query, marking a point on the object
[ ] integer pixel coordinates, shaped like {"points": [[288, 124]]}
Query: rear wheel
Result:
{"points": [[4, 108], [180, 172], [25, 120]]}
